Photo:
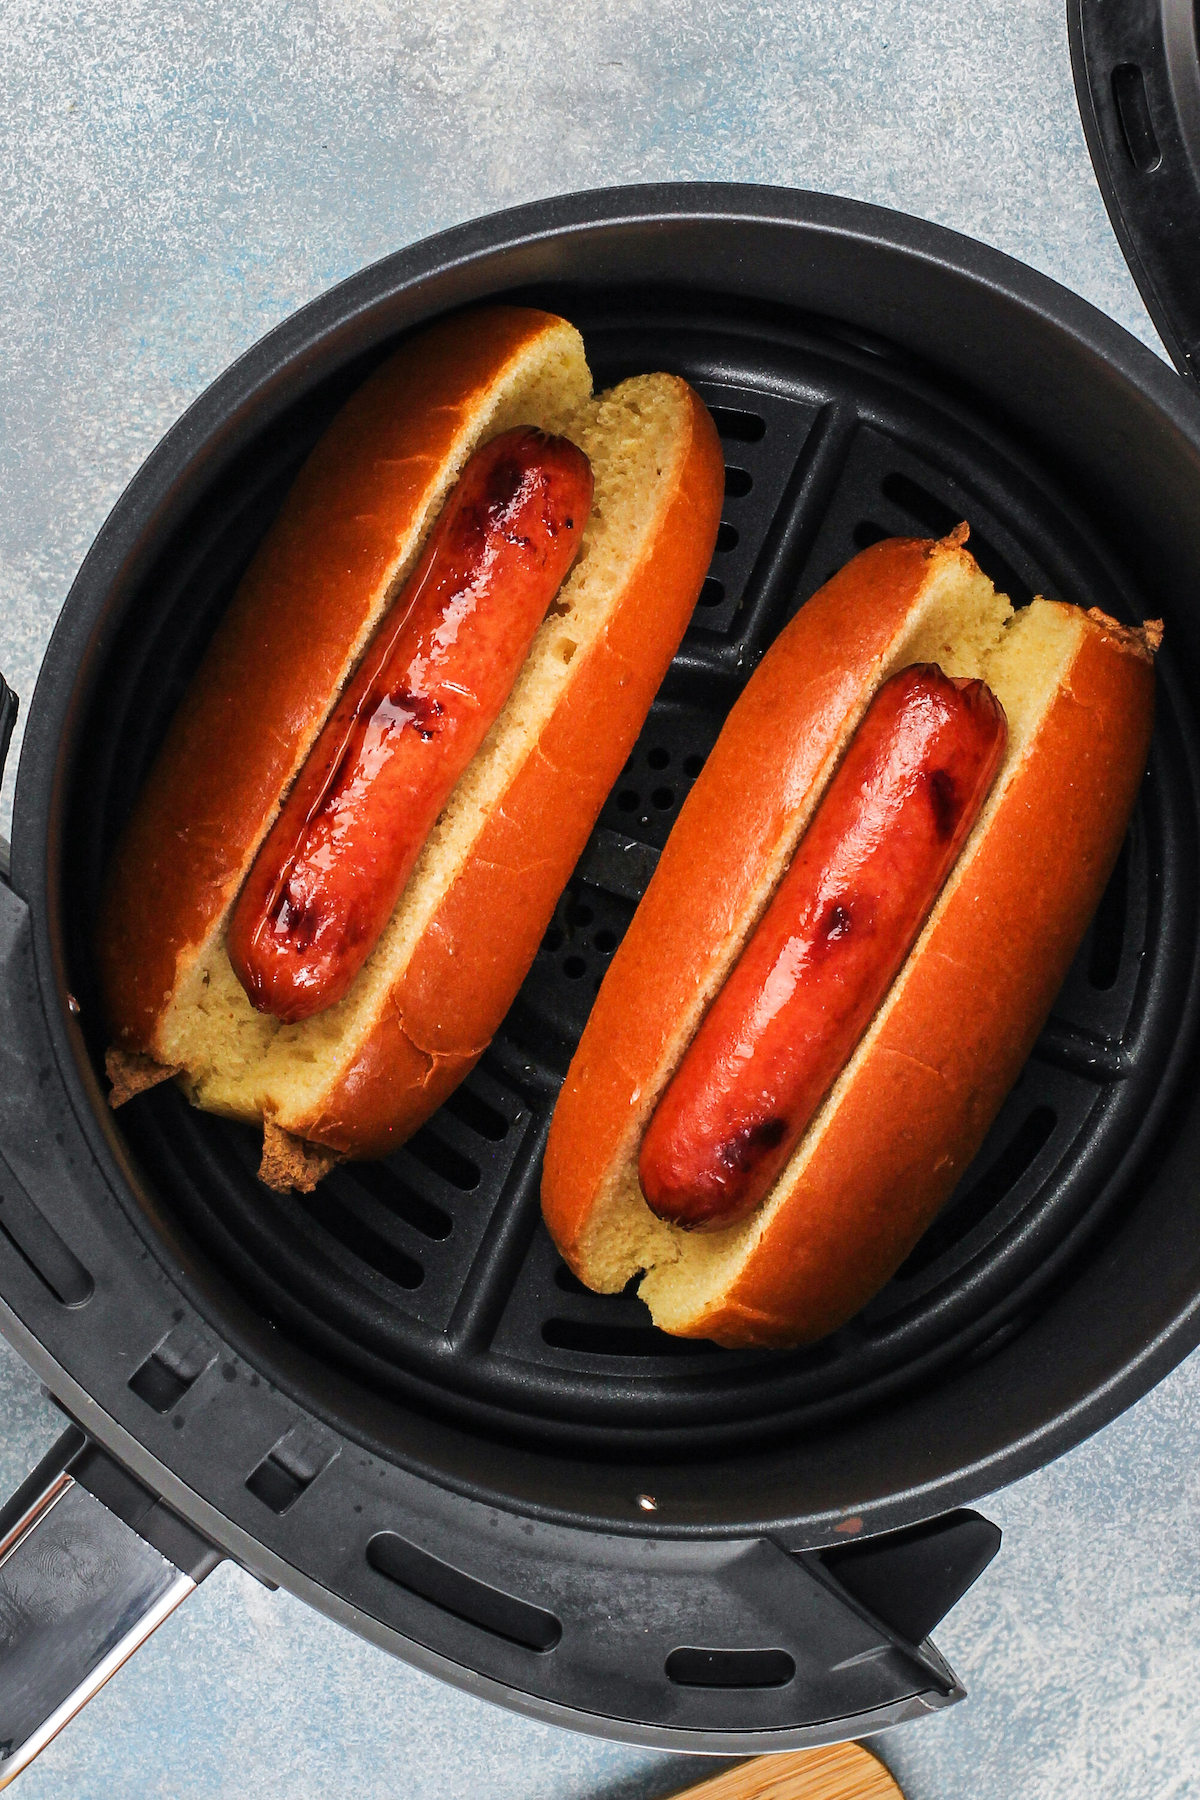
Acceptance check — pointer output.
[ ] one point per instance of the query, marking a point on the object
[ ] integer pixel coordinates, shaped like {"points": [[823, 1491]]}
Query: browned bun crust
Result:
{"points": [[282, 650], [915, 1102], [472, 958], [361, 1077]]}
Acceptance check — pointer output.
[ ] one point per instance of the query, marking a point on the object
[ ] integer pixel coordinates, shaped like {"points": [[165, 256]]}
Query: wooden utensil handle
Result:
{"points": [[836, 1772]]}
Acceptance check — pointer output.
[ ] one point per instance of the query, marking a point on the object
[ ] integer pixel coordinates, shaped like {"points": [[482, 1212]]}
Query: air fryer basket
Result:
{"points": [[391, 1395], [430, 1275]]}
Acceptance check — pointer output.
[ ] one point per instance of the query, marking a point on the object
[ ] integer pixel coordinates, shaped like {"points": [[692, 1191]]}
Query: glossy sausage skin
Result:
{"points": [[433, 680], [836, 934]]}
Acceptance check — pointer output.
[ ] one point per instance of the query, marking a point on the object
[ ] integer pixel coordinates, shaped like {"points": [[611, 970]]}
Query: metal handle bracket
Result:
{"points": [[91, 1562]]}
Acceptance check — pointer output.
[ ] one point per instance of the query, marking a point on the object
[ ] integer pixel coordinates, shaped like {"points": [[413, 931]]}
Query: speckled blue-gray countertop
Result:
{"points": [[178, 175]]}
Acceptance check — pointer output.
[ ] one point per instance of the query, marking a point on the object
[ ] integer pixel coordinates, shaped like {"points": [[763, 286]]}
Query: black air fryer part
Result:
{"points": [[724, 1642], [383, 1499], [430, 1275], [1137, 79]]}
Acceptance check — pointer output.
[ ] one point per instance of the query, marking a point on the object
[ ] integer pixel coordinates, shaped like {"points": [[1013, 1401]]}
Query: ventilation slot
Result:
{"points": [[730, 1668], [172, 1368], [274, 1485], [587, 1339], [866, 533], [462, 1595], [291, 1467], [386, 1187], [727, 538], [979, 1200], [1108, 930], [41, 1249], [738, 482], [386, 1259], [1133, 110], [469, 1109], [712, 593], [442, 1159], [741, 427]]}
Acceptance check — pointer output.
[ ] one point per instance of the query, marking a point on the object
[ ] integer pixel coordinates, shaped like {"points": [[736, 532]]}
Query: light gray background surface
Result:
{"points": [[174, 179]]}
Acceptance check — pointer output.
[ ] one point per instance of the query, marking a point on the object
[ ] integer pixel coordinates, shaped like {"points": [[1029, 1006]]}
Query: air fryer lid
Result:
{"points": [[1137, 78], [396, 1404]]}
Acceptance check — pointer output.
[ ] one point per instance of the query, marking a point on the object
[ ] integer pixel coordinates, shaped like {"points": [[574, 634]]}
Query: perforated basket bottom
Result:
{"points": [[431, 1274]]}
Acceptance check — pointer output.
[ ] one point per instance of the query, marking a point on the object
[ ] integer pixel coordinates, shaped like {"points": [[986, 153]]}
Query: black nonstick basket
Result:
{"points": [[429, 1277], [390, 1395]]}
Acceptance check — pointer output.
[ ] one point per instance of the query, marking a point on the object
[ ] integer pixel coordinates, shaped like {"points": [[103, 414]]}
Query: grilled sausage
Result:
{"points": [[833, 939], [433, 680]]}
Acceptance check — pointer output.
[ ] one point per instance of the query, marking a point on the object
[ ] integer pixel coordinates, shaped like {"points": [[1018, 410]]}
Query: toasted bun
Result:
{"points": [[360, 1077], [915, 1101]]}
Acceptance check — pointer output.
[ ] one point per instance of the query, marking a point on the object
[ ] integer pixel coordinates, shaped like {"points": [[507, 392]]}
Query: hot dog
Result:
{"points": [[328, 877], [363, 1072], [833, 939], [901, 1114]]}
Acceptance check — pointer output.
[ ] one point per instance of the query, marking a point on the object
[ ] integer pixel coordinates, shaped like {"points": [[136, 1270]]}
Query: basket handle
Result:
{"points": [[91, 1562]]}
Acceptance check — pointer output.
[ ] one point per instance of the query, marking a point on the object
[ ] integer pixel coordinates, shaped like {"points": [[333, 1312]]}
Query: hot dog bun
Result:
{"points": [[361, 1076], [915, 1100]]}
